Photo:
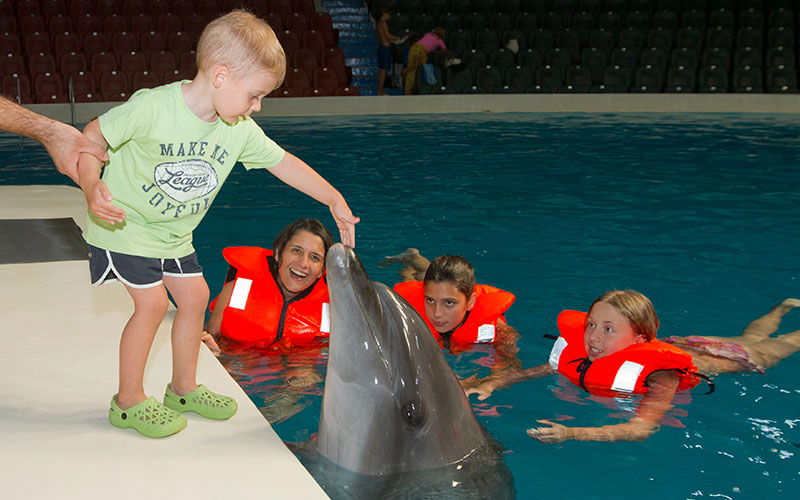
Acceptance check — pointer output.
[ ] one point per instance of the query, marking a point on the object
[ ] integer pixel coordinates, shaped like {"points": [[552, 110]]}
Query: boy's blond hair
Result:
{"points": [[242, 42]]}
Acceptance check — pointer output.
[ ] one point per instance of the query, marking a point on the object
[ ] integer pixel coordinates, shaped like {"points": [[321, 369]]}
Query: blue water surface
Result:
{"points": [[697, 211]]}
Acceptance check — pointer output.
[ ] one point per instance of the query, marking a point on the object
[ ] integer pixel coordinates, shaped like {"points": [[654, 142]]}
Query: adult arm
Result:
{"points": [[655, 403], [296, 173], [63, 143]]}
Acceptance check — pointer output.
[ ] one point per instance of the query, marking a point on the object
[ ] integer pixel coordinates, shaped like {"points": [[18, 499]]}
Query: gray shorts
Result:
{"points": [[138, 272]]}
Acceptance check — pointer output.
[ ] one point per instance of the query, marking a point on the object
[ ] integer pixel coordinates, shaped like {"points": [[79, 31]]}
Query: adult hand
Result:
{"points": [[556, 433], [65, 144], [346, 222]]}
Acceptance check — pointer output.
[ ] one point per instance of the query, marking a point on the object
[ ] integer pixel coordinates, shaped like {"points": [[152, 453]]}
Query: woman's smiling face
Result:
{"points": [[301, 262]]}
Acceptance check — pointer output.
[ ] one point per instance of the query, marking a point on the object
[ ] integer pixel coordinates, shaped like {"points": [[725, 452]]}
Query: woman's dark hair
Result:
{"points": [[453, 269], [313, 226]]}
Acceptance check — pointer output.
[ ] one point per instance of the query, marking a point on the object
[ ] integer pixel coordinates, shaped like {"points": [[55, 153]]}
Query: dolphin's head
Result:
{"points": [[391, 403]]}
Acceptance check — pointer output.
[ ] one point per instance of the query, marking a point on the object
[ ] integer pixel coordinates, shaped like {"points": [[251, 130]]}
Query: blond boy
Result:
{"points": [[170, 150]]}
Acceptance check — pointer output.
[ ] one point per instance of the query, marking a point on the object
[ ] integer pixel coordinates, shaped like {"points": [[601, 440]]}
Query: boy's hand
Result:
{"points": [[346, 222], [98, 197]]}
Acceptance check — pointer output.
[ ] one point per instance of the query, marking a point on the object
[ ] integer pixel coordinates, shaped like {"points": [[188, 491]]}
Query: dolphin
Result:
{"points": [[395, 422]]}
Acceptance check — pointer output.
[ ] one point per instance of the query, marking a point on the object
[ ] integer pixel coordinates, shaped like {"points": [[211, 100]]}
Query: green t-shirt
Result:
{"points": [[165, 168]]}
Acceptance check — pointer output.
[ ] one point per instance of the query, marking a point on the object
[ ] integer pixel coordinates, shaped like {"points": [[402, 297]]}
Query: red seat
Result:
{"points": [[163, 62], [305, 7], [9, 43], [275, 21], [87, 23], [52, 99], [13, 63], [59, 23], [17, 85], [28, 7], [72, 62], [124, 42], [113, 83], [306, 59], [194, 23], [36, 42], [106, 7], [132, 62], [158, 7], [346, 91], [102, 62], [321, 21], [180, 41], [313, 40], [52, 8], [114, 23], [168, 23], [47, 85], [330, 37], [296, 78], [78, 8], [188, 61], [281, 6], [287, 92], [83, 82], [145, 80], [288, 39], [8, 23], [182, 7], [31, 24], [325, 78], [332, 56], [315, 92], [151, 42], [208, 8], [6, 7], [132, 7], [296, 22], [141, 23], [66, 41], [88, 97], [41, 63], [176, 75], [94, 42]]}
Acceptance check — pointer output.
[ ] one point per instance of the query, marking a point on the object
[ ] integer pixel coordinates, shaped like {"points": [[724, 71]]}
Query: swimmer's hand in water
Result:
{"points": [[556, 433], [211, 343], [482, 387]]}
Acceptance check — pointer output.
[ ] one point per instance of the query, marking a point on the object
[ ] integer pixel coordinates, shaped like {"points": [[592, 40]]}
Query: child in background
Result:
{"points": [[384, 48], [170, 150], [612, 350]]}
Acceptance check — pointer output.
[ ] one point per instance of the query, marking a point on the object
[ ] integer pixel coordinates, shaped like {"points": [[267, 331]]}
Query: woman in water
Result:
{"points": [[277, 298], [612, 350]]}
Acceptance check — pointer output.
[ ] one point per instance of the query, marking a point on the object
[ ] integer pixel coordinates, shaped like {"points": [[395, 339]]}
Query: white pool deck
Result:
{"points": [[58, 371]]}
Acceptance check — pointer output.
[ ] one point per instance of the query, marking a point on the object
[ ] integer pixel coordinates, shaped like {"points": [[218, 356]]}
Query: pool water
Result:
{"points": [[699, 212]]}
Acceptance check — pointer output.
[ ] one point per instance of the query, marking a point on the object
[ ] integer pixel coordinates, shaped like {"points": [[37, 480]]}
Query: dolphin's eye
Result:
{"points": [[412, 413]]}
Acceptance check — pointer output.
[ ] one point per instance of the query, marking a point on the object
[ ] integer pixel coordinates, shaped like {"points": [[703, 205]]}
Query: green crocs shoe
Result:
{"points": [[203, 402], [149, 417]]}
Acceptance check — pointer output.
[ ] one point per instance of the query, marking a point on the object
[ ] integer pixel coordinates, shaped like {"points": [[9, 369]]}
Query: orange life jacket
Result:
{"points": [[257, 312], [481, 323], [617, 374]]}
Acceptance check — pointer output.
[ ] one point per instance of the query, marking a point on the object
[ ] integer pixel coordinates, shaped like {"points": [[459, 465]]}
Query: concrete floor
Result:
{"points": [[58, 372]]}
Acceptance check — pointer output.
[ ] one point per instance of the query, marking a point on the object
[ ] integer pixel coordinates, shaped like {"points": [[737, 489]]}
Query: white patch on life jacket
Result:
{"points": [[241, 290], [555, 352], [325, 323], [485, 333], [627, 375]]}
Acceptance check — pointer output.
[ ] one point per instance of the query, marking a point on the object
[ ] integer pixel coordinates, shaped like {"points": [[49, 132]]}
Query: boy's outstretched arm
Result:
{"points": [[296, 173], [98, 197]]}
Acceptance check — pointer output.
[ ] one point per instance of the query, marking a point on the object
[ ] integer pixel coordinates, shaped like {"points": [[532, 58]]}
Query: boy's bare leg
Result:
{"points": [[191, 296], [150, 306], [381, 78], [771, 351]]}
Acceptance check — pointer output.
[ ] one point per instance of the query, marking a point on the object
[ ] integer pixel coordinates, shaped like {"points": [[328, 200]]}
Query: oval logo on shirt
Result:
{"points": [[186, 180]]}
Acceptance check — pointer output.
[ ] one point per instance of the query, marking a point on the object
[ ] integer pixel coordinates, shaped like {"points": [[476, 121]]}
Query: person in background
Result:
{"points": [[385, 38], [418, 56]]}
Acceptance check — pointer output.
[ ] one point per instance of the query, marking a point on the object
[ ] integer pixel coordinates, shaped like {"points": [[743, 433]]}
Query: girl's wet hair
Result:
{"points": [[453, 269], [634, 306], [313, 226]]}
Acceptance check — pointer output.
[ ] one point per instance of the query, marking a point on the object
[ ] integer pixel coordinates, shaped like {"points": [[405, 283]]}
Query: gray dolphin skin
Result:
{"points": [[393, 413]]}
